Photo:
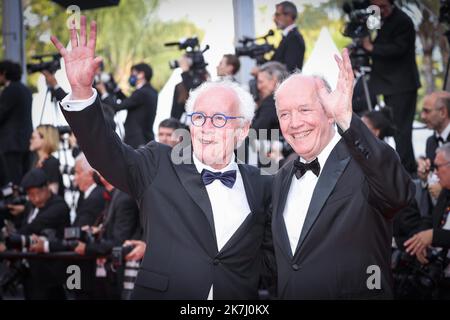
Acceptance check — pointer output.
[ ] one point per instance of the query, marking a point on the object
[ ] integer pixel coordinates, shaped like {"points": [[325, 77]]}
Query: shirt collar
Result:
{"points": [[200, 165], [89, 190], [444, 134], [288, 29], [325, 153]]}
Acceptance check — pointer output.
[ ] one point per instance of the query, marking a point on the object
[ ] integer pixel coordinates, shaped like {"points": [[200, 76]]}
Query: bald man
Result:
{"points": [[332, 207]]}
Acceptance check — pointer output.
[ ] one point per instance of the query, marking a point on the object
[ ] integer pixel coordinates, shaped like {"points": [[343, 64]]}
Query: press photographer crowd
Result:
{"points": [[138, 217]]}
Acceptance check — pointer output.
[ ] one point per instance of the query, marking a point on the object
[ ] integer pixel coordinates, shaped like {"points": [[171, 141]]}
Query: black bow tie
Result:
{"points": [[440, 139], [301, 168], [228, 178]]}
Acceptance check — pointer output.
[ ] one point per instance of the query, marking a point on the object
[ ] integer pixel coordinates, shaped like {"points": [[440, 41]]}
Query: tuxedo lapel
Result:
{"points": [[193, 184], [332, 170], [280, 224]]}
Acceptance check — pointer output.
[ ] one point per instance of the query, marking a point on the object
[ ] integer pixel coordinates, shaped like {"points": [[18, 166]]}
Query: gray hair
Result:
{"points": [[275, 69], [298, 74], [246, 103], [81, 158], [445, 148]]}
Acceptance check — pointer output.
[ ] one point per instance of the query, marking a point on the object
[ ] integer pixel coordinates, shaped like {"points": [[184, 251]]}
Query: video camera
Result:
{"points": [[193, 52], [12, 195], [356, 29], [51, 66], [255, 51], [119, 253]]}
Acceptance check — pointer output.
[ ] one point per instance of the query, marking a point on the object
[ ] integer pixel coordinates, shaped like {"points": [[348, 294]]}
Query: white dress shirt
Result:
{"points": [[444, 134], [300, 194], [288, 29], [229, 205], [89, 190]]}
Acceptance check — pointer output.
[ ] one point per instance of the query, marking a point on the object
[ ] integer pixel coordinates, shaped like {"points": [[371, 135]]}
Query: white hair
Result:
{"points": [[81, 158], [246, 103]]}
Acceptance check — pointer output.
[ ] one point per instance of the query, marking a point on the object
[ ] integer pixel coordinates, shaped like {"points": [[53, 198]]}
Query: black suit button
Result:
{"points": [[296, 267], [357, 142], [216, 262]]}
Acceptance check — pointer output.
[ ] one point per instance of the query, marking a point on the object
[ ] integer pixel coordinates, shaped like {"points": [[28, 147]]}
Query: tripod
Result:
{"points": [[364, 72], [446, 84]]}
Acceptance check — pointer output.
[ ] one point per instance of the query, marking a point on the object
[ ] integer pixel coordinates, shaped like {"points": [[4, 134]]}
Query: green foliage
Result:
{"points": [[127, 34]]}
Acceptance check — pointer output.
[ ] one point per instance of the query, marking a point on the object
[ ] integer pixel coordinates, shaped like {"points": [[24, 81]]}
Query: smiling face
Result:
{"points": [[215, 146], [303, 121]]}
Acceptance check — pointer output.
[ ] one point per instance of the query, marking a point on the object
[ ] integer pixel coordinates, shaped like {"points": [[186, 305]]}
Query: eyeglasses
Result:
{"points": [[218, 120], [437, 166]]}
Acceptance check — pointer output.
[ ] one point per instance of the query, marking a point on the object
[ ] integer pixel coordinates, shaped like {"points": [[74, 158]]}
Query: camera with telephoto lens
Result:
{"points": [[255, 51], [356, 29], [413, 280], [118, 255], [11, 194], [74, 235], [51, 66]]}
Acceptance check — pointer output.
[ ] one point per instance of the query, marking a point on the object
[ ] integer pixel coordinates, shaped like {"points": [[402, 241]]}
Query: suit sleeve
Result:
{"points": [[390, 187], [266, 117], [404, 39], [127, 169], [134, 101]]}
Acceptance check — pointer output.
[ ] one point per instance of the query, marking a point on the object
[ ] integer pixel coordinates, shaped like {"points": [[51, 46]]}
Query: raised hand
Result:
{"points": [[81, 63], [338, 103]]}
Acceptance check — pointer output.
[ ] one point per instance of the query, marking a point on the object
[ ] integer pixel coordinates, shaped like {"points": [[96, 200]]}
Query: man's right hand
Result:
{"points": [[50, 79], [423, 168], [81, 63], [138, 251]]}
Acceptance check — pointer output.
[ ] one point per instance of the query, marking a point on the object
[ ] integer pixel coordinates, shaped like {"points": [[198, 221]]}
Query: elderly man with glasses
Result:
{"points": [[206, 218]]}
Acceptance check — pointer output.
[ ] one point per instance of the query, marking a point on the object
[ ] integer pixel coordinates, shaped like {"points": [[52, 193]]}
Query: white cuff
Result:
{"points": [[46, 246], [106, 94], [78, 105]]}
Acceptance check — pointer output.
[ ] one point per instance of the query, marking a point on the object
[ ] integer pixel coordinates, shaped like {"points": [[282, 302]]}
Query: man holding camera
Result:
{"points": [[45, 211], [15, 121], [141, 105], [291, 50], [395, 75], [228, 66], [438, 234]]}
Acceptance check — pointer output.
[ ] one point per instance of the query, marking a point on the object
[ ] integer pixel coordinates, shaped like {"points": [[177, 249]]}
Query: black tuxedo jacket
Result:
{"points": [[89, 210], [291, 50], [141, 106], [266, 116], [394, 68], [348, 224], [431, 146], [182, 260], [15, 118]]}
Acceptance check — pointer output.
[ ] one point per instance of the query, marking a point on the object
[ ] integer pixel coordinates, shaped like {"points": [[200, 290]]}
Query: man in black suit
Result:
{"points": [[15, 121], [291, 50], [437, 233], [44, 211], [141, 106], [332, 207], [206, 218], [395, 75]]}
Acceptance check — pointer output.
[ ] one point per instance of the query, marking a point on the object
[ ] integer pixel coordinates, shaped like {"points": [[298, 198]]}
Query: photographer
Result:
{"points": [[44, 211], [291, 50], [191, 79], [119, 223], [438, 234], [15, 121], [228, 67], [141, 105], [394, 73]]}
